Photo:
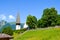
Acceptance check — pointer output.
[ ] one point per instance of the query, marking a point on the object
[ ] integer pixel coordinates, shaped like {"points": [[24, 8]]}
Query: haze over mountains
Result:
{"points": [[4, 24]]}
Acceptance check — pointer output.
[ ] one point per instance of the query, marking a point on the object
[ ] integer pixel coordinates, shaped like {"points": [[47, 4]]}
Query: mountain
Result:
{"points": [[4, 24], [13, 24]]}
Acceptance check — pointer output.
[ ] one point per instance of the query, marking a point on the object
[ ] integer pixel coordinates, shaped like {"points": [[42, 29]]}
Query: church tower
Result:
{"points": [[18, 27]]}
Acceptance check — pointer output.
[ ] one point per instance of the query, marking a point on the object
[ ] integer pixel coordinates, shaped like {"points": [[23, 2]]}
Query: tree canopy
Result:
{"points": [[7, 30], [49, 17], [58, 20], [31, 21]]}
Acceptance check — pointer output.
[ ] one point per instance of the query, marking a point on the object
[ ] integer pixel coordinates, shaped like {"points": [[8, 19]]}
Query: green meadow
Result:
{"points": [[39, 34]]}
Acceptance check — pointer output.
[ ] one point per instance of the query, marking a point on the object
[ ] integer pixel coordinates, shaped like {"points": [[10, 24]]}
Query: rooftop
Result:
{"points": [[5, 36]]}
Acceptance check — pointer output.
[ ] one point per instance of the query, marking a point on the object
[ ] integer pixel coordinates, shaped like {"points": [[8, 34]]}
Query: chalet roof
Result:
{"points": [[5, 36]]}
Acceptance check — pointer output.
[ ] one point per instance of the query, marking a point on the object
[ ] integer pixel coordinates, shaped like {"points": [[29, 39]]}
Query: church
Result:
{"points": [[18, 24]]}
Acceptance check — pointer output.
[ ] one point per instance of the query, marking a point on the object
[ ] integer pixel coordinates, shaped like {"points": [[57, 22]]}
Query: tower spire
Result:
{"points": [[18, 22], [18, 19]]}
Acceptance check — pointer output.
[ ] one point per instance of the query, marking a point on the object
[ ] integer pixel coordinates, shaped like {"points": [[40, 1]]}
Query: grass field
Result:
{"points": [[39, 34]]}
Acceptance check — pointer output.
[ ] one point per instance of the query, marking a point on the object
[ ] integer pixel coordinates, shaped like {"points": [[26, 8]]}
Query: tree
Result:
{"points": [[31, 21], [58, 20], [7, 30], [41, 23], [49, 17]]}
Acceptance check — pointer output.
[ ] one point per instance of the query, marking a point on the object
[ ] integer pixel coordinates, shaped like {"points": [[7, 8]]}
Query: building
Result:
{"points": [[18, 26], [25, 26], [5, 37]]}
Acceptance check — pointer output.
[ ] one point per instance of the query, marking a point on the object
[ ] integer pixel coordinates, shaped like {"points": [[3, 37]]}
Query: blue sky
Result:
{"points": [[9, 8]]}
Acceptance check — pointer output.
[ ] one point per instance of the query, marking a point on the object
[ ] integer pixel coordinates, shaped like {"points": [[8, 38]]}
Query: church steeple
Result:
{"points": [[18, 22], [18, 19]]}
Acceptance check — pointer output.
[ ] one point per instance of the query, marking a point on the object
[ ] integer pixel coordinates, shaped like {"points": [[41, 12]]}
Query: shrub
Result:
{"points": [[20, 31], [7, 30]]}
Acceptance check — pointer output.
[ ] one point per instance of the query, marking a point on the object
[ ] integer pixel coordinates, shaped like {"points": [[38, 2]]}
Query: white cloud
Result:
{"points": [[7, 18], [11, 17], [2, 17]]}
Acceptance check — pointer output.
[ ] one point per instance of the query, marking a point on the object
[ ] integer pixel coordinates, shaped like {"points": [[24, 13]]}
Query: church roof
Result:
{"points": [[18, 18]]}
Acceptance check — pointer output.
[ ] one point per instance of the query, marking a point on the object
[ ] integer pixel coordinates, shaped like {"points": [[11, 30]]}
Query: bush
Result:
{"points": [[16, 31], [20, 31], [7, 30], [23, 30]]}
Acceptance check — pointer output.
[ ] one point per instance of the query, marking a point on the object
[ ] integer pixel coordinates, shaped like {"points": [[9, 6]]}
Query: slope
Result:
{"points": [[40, 34]]}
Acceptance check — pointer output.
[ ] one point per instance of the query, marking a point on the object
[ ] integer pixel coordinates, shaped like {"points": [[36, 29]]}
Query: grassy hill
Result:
{"points": [[39, 34]]}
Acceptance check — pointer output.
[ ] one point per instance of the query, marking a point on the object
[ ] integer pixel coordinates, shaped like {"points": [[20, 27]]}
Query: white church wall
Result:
{"points": [[25, 25], [18, 27]]}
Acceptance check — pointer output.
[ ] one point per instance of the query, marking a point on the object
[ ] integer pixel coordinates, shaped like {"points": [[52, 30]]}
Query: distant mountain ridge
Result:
{"points": [[4, 24]]}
